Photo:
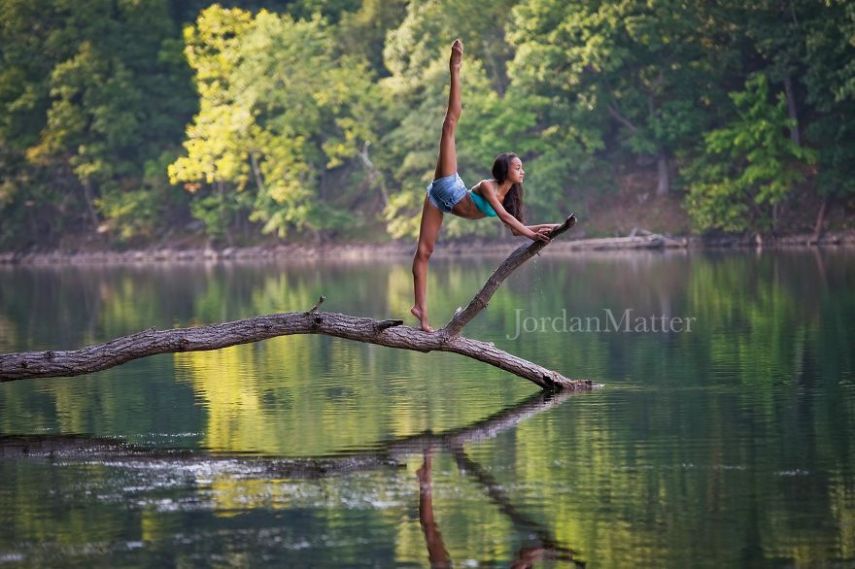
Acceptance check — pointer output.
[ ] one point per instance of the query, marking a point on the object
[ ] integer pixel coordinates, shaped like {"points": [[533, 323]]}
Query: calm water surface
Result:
{"points": [[729, 445]]}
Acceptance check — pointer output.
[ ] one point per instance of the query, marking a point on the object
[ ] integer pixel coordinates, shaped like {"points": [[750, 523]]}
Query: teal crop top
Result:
{"points": [[481, 203]]}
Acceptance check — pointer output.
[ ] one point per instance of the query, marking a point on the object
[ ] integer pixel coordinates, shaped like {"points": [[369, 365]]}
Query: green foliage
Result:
{"points": [[146, 210], [749, 165], [829, 78], [324, 115], [637, 67], [84, 109], [278, 110]]}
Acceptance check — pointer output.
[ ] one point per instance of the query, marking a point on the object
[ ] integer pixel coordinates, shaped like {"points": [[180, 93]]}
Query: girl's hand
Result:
{"points": [[548, 228], [539, 236]]}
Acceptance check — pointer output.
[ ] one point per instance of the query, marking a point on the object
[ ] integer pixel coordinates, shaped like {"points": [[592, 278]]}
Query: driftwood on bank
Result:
{"points": [[636, 240], [390, 333]]}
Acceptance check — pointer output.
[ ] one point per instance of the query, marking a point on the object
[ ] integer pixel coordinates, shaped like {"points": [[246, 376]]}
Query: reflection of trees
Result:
{"points": [[110, 452]]}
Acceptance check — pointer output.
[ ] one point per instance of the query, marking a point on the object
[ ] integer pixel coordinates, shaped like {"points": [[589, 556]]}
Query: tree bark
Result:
{"points": [[390, 333], [820, 220], [620, 118], [374, 175], [792, 110], [522, 254], [256, 173], [663, 185], [90, 204]]}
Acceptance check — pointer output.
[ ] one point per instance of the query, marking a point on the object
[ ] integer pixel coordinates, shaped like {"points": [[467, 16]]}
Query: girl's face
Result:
{"points": [[516, 174]]}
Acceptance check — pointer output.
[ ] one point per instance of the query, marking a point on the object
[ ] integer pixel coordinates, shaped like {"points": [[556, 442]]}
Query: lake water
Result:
{"points": [[730, 444]]}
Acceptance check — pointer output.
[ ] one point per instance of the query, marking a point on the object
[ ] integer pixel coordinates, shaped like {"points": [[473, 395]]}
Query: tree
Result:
{"points": [[634, 73], [829, 80], [76, 95], [278, 113], [750, 165]]}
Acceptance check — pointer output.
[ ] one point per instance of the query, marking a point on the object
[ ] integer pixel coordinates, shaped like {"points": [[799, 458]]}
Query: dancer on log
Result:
{"points": [[500, 197]]}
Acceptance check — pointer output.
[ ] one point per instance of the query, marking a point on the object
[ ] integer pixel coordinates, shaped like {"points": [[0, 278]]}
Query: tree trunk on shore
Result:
{"points": [[663, 183], [792, 110], [820, 220], [390, 333]]}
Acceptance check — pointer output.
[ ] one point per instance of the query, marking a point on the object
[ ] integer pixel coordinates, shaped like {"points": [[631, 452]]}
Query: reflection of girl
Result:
{"points": [[499, 197], [437, 554]]}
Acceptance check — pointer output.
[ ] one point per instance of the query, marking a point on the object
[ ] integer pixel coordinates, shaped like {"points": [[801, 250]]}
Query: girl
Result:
{"points": [[499, 197]]}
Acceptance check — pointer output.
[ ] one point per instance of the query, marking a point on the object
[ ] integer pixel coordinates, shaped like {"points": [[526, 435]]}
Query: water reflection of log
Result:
{"points": [[386, 454], [547, 547], [106, 451], [498, 496]]}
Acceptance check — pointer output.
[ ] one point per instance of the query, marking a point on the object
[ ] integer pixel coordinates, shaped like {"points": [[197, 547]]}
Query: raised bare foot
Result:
{"points": [[456, 54], [422, 318]]}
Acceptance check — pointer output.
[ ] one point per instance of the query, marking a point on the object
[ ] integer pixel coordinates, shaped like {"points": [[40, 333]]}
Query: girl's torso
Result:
{"points": [[469, 206]]}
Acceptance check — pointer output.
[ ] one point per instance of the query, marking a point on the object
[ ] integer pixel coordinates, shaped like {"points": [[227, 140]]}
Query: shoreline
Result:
{"points": [[366, 251]]}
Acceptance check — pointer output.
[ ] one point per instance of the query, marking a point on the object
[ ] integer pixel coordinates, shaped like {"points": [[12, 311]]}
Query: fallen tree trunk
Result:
{"points": [[390, 333]]}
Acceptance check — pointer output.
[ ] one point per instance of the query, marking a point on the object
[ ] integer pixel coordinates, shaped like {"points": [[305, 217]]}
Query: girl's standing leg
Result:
{"points": [[446, 165], [428, 232]]}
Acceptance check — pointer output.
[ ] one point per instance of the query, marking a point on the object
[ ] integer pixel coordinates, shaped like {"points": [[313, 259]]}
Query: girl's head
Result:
{"points": [[508, 166]]}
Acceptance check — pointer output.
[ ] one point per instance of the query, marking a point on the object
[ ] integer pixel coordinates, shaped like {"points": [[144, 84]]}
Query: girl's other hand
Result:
{"points": [[539, 235]]}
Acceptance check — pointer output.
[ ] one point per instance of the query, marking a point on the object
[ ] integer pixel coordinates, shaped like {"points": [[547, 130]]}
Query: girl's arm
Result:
{"points": [[512, 222], [544, 226], [540, 228]]}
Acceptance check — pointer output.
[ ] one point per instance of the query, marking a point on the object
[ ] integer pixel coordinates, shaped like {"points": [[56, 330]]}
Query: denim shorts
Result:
{"points": [[444, 193]]}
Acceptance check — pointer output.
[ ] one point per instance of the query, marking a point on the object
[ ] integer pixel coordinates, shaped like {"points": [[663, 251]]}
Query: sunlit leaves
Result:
{"points": [[278, 108]]}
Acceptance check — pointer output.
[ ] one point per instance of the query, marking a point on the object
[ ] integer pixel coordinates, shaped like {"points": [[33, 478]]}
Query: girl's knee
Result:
{"points": [[424, 252], [449, 125]]}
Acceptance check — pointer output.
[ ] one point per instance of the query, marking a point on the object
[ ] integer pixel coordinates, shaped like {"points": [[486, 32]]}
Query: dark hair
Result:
{"points": [[513, 202]]}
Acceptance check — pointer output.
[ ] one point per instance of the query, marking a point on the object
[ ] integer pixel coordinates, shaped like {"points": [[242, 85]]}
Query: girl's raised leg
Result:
{"points": [[446, 165]]}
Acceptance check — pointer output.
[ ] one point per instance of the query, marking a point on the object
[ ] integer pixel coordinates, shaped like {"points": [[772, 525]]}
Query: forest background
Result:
{"points": [[140, 122]]}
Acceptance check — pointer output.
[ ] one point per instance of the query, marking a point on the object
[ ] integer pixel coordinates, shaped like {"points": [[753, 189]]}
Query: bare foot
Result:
{"points": [[422, 318], [456, 54]]}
